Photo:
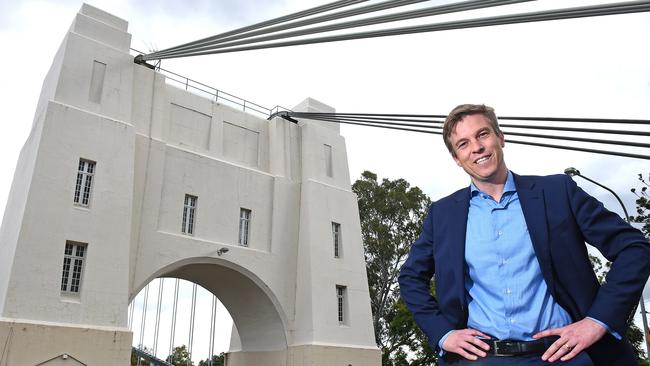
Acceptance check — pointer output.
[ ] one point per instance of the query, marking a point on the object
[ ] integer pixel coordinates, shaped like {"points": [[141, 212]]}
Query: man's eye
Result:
{"points": [[461, 145]]}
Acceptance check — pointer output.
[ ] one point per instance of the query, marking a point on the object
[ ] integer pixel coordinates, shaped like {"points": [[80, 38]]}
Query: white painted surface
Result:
{"points": [[154, 143]]}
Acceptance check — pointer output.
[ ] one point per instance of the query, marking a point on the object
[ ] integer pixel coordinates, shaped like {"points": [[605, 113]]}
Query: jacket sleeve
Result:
{"points": [[415, 283], [620, 243]]}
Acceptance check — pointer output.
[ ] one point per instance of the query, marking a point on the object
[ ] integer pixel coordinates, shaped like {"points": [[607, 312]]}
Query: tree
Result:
{"points": [[180, 357], [642, 217], [643, 205], [216, 360], [391, 215]]}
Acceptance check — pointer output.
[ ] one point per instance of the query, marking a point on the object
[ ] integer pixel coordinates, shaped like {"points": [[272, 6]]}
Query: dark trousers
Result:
{"points": [[582, 359]]}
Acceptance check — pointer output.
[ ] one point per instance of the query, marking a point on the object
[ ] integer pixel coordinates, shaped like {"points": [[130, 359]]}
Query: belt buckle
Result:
{"points": [[497, 351]]}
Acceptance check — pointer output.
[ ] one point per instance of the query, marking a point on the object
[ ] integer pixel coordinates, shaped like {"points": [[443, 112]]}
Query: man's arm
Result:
{"points": [[624, 246], [630, 255], [415, 284]]}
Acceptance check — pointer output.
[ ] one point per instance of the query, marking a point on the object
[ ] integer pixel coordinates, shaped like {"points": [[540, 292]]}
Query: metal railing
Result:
{"points": [[153, 360], [219, 96]]}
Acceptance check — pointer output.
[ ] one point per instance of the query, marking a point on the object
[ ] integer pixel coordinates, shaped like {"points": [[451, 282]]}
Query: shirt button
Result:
{"points": [[512, 321], [508, 291], [499, 233]]}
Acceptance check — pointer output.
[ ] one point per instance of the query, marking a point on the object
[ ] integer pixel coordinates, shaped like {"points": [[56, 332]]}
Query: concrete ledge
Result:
{"points": [[34, 343], [308, 355]]}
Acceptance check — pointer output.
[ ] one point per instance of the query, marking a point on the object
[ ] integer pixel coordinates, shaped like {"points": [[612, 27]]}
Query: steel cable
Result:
{"points": [[285, 18], [505, 131], [429, 117], [557, 14], [429, 129], [301, 23], [436, 10]]}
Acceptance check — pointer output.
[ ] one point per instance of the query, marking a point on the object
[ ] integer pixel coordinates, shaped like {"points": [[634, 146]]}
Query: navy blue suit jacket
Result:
{"points": [[560, 217]]}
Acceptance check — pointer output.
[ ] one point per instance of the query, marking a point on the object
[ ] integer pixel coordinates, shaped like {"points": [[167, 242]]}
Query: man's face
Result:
{"points": [[478, 149]]}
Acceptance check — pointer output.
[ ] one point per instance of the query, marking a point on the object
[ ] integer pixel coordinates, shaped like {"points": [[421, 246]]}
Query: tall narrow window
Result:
{"points": [[189, 214], [84, 183], [73, 265], [340, 303], [328, 160], [244, 226], [97, 82], [336, 237]]}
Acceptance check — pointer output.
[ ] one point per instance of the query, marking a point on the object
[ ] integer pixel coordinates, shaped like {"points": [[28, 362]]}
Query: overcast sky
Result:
{"points": [[595, 67]]}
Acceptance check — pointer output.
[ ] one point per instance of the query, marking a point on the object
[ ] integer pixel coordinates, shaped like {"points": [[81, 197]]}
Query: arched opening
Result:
{"points": [[259, 322]]}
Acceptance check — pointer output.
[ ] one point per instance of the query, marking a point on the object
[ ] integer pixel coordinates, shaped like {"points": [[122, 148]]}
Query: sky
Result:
{"points": [[593, 67]]}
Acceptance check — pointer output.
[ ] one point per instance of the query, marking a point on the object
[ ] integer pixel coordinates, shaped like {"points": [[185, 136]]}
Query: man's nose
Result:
{"points": [[477, 146]]}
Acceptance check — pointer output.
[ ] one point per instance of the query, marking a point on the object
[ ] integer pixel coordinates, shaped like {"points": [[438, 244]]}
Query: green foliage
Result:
{"points": [[635, 336], [217, 360], [643, 205], [642, 217], [180, 357], [391, 215]]}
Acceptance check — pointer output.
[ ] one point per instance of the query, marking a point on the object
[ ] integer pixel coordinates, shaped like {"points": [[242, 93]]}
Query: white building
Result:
{"points": [[124, 179]]}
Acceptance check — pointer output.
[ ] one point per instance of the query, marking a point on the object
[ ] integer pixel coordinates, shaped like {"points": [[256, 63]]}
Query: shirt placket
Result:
{"points": [[505, 271]]}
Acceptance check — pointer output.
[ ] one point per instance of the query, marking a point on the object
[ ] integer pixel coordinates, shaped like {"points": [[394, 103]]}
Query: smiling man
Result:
{"points": [[513, 277]]}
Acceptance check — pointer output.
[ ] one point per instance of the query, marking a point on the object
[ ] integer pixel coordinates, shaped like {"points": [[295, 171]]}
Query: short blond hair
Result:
{"points": [[457, 114]]}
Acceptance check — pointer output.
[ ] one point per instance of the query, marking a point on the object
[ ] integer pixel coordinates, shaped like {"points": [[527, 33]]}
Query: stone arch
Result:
{"points": [[255, 310]]}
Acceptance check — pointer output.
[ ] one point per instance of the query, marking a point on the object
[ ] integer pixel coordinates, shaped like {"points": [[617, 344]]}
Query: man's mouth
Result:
{"points": [[482, 160]]}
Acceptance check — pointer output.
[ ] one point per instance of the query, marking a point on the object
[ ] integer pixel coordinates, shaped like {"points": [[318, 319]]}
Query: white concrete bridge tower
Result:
{"points": [[125, 178]]}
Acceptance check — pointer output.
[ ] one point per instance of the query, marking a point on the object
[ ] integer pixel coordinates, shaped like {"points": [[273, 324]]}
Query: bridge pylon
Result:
{"points": [[126, 178]]}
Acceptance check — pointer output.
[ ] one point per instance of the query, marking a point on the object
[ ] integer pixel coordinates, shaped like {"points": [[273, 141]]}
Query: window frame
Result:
{"points": [[84, 182], [341, 304], [245, 217], [69, 270], [188, 221], [337, 240]]}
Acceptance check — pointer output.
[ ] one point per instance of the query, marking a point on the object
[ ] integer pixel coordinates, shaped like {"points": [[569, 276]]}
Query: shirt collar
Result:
{"points": [[508, 187]]}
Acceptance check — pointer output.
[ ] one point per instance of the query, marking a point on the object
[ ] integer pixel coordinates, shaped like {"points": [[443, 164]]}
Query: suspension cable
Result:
{"points": [[381, 120], [174, 312], [156, 332], [428, 129], [301, 23], [435, 10], [266, 23], [505, 131], [441, 117], [556, 14]]}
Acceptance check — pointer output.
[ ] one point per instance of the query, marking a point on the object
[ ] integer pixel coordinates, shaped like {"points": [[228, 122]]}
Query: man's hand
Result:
{"points": [[465, 343], [574, 338]]}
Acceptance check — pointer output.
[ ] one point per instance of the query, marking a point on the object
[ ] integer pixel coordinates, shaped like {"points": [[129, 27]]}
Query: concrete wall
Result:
{"points": [[307, 355], [43, 343]]}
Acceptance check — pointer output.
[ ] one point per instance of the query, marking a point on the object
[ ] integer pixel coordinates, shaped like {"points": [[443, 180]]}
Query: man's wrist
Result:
{"points": [[441, 351], [606, 327]]}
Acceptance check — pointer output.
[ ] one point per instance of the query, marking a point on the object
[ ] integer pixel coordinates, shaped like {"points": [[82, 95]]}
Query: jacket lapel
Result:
{"points": [[532, 204]]}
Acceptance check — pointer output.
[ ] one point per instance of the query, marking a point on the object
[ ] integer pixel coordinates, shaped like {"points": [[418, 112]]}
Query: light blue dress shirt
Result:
{"points": [[507, 295]]}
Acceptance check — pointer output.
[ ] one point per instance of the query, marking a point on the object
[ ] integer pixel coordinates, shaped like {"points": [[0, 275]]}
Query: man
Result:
{"points": [[512, 273]]}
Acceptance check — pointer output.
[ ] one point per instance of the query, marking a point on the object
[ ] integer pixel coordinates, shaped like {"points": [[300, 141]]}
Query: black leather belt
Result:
{"points": [[513, 348]]}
